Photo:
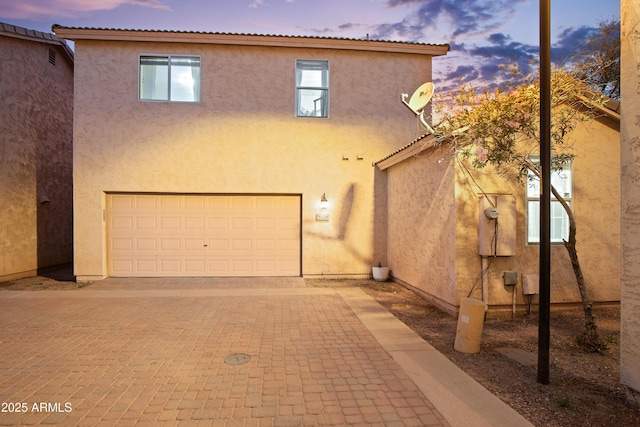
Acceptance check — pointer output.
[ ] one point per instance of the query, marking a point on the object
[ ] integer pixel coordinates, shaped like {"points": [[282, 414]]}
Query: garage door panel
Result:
{"points": [[194, 245], [242, 267], [242, 223], [266, 266], [268, 245], [267, 205], [219, 223], [195, 266], [289, 224], [290, 245], [179, 235], [288, 204], [122, 202], [174, 245], [171, 266], [146, 244], [122, 244], [146, 266], [171, 202], [217, 204], [195, 202], [219, 266], [194, 223], [124, 222], [219, 244], [124, 266], [145, 202], [265, 223], [170, 223]]}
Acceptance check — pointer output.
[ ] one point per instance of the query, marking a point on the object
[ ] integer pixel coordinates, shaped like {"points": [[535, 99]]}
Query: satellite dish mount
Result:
{"points": [[419, 101]]}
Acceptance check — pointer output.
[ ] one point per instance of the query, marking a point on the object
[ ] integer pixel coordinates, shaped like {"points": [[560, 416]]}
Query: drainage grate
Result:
{"points": [[237, 359]]}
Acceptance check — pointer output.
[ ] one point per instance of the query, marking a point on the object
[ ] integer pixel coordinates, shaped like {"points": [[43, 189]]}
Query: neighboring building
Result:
{"points": [[439, 240], [36, 133], [630, 159], [208, 154]]}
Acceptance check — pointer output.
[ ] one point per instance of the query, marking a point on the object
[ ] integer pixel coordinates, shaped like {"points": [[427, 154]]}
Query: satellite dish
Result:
{"points": [[420, 98], [418, 101]]}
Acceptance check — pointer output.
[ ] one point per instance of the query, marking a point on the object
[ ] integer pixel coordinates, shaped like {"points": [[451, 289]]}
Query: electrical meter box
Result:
{"points": [[497, 225]]}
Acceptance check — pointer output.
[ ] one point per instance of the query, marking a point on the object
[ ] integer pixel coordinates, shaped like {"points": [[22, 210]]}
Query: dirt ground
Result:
{"points": [[584, 388]]}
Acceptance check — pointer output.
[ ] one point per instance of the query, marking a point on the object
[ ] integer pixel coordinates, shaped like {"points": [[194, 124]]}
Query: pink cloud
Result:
{"points": [[31, 9]]}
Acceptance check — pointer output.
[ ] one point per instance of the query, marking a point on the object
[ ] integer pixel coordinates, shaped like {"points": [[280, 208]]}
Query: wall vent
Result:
{"points": [[52, 57]]}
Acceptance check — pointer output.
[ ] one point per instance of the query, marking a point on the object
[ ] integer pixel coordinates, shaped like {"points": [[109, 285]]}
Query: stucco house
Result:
{"points": [[215, 154], [36, 135], [440, 241], [630, 183]]}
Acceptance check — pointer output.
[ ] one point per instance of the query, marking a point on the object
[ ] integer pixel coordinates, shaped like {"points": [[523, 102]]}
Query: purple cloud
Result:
{"points": [[465, 17]]}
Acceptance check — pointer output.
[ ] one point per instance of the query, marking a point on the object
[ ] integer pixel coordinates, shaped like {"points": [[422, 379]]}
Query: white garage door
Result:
{"points": [[203, 235]]}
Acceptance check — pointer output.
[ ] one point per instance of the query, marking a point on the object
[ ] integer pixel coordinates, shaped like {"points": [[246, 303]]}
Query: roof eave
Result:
{"points": [[16, 32], [248, 40], [410, 150]]}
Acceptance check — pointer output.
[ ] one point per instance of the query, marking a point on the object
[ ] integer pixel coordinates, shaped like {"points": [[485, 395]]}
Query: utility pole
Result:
{"points": [[545, 192]]}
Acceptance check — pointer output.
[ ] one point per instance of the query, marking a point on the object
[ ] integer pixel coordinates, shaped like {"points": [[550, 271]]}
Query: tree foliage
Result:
{"points": [[597, 61], [501, 128]]}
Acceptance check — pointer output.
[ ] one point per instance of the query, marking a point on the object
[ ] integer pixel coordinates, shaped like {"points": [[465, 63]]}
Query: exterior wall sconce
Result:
{"points": [[323, 215]]}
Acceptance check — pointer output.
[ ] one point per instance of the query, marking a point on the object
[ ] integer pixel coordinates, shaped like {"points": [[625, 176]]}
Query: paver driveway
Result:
{"points": [[120, 354], [254, 352]]}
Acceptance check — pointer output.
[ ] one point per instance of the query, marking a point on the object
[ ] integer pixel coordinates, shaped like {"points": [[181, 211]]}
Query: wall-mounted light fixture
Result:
{"points": [[323, 215]]}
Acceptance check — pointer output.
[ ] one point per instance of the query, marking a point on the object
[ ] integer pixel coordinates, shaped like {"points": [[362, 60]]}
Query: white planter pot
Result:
{"points": [[381, 274]]}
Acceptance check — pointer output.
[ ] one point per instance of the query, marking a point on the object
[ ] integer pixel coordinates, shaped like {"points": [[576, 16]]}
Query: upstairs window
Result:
{"points": [[562, 181], [312, 88], [169, 78]]}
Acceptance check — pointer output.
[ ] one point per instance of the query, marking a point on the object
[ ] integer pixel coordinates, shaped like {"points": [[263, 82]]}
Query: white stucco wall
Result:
{"points": [[242, 137], [630, 155], [36, 101]]}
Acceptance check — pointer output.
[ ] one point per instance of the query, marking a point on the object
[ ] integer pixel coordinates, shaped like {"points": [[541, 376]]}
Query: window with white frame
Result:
{"points": [[312, 88], [559, 222], [169, 78]]}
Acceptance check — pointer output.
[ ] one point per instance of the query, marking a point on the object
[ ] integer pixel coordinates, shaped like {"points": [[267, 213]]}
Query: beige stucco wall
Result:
{"points": [[630, 155], [36, 100], [434, 215], [421, 225], [242, 138], [596, 208]]}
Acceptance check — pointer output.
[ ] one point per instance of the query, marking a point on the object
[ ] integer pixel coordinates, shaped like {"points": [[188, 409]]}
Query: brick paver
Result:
{"points": [[91, 357]]}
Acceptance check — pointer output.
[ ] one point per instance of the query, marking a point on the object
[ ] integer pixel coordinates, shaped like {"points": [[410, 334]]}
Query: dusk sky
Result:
{"points": [[482, 33]]}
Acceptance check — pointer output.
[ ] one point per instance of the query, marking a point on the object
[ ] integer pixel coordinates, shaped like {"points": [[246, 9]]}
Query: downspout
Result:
{"points": [[485, 284]]}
